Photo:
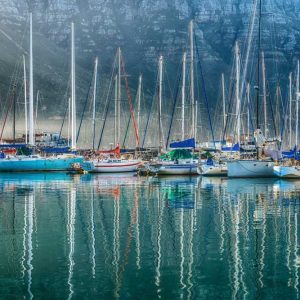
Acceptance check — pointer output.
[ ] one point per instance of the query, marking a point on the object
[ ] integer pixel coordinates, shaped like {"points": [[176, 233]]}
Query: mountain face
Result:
{"points": [[144, 29]]}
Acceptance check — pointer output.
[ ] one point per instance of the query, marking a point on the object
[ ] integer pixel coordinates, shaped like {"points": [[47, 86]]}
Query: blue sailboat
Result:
{"points": [[22, 163]]}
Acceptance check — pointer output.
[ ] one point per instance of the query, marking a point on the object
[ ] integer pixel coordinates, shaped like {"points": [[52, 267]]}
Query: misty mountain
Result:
{"points": [[144, 29]]}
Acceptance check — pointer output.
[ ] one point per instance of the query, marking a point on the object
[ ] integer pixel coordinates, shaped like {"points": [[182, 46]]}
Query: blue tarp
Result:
{"points": [[56, 149], [190, 143], [289, 154], [235, 147], [209, 162], [17, 146]]}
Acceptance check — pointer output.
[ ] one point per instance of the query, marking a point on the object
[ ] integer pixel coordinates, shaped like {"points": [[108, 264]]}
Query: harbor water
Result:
{"points": [[121, 236]]}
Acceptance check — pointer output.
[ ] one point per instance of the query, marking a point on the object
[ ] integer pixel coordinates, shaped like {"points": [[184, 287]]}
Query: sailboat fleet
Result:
{"points": [[249, 152]]}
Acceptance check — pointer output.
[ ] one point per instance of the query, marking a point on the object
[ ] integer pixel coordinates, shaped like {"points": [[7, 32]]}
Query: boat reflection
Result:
{"points": [[118, 234]]}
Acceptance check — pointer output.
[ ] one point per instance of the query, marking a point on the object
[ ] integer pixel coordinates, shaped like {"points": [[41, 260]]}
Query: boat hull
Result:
{"points": [[99, 167], [291, 172], [174, 169], [38, 164], [215, 170], [250, 169]]}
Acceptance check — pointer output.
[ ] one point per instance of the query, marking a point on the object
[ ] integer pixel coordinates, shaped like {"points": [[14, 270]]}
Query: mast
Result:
{"points": [[183, 95], [139, 102], [237, 91], [69, 121], [116, 109], [297, 102], [290, 110], [196, 119], [264, 93], [192, 89], [94, 101], [160, 65], [258, 68], [37, 106], [248, 110], [73, 91], [224, 101], [119, 95], [258, 75], [31, 124], [14, 115], [25, 99]]}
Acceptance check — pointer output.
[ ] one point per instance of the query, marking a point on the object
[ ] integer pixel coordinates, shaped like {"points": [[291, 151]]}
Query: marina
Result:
{"points": [[166, 173]]}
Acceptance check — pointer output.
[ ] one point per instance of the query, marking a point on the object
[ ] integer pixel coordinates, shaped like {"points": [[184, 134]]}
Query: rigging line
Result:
{"points": [[130, 103], [63, 122], [272, 113], [127, 126], [174, 106], [11, 91], [67, 105], [149, 114], [84, 107], [204, 92], [284, 120], [7, 111], [106, 107], [129, 121], [228, 110]]}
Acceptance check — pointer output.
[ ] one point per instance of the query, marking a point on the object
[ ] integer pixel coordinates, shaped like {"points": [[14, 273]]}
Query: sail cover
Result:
{"points": [[235, 147], [190, 143]]}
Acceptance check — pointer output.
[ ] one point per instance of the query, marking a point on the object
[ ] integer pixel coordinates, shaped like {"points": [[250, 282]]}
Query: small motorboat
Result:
{"points": [[178, 167], [211, 168], [287, 171]]}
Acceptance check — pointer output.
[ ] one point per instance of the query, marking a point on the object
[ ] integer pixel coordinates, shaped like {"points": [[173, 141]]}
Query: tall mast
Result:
{"points": [[258, 75], [263, 65], [237, 91], [25, 99], [14, 115], [160, 65], [116, 109], [31, 124], [248, 110], [119, 95], [183, 96], [139, 102], [69, 121], [297, 102], [224, 101], [192, 89], [73, 91], [37, 107], [258, 67], [94, 100], [290, 109], [196, 119]]}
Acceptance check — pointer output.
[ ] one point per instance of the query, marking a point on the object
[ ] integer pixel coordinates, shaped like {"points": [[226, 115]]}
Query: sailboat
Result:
{"points": [[113, 164], [180, 160], [289, 168], [22, 163], [252, 167], [109, 161]]}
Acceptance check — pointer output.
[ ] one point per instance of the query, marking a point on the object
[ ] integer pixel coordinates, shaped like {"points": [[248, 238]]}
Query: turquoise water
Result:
{"points": [[106, 237]]}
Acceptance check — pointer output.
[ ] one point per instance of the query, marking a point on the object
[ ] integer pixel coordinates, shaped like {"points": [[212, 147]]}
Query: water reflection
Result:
{"points": [[119, 236]]}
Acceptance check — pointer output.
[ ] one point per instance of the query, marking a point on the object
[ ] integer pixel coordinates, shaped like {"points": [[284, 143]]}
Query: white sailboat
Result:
{"points": [[291, 170], [253, 167], [115, 164]]}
